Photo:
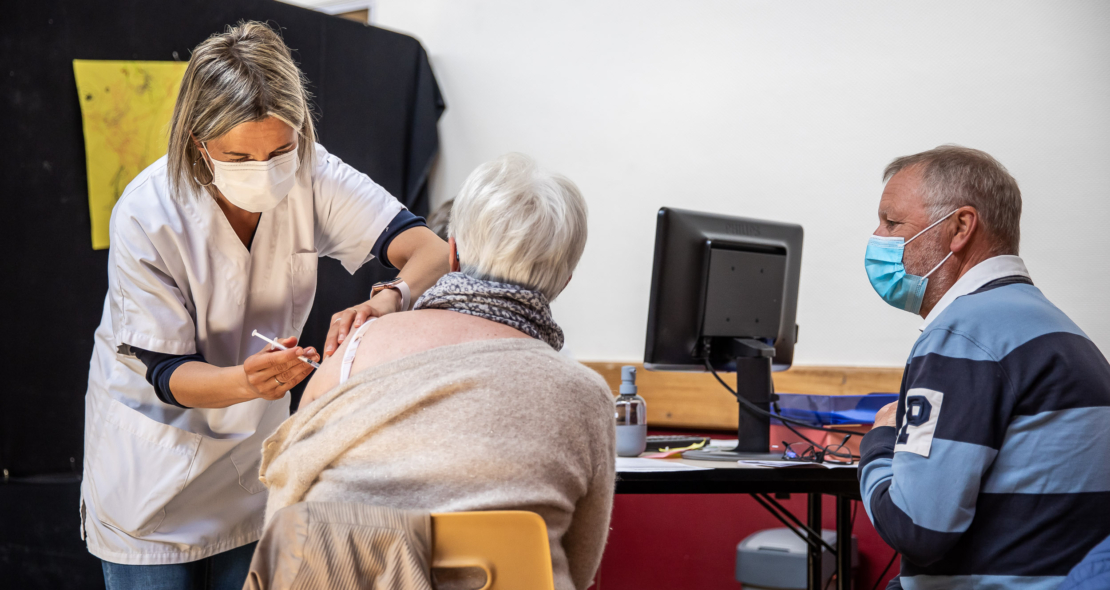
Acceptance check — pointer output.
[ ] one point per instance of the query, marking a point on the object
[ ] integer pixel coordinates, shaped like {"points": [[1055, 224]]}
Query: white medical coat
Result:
{"points": [[163, 484]]}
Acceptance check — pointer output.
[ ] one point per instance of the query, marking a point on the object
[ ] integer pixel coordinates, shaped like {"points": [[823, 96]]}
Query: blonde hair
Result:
{"points": [[242, 75], [516, 223]]}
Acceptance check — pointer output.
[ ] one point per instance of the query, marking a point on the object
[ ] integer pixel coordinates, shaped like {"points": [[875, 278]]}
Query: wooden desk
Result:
{"points": [[761, 482]]}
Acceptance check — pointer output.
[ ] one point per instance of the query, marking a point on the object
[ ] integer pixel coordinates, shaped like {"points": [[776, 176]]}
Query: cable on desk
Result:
{"points": [[825, 448], [775, 405], [761, 411]]}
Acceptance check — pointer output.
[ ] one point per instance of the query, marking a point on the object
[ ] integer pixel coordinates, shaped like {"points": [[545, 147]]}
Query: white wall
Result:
{"points": [[785, 111]]}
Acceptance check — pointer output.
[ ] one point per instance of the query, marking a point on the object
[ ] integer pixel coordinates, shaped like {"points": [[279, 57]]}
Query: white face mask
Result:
{"points": [[255, 186]]}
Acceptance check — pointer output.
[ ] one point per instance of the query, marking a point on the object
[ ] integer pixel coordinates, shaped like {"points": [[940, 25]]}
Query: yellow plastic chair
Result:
{"points": [[509, 546]]}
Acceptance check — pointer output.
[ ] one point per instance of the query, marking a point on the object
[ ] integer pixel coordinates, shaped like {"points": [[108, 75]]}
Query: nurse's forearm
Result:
{"points": [[421, 257], [267, 374], [201, 385]]}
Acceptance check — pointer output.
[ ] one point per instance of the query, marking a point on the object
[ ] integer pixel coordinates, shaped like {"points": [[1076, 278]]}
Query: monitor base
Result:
{"points": [[729, 455]]}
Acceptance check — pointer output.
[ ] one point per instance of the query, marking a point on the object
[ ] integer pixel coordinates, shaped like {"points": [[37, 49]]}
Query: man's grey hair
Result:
{"points": [[514, 222], [955, 176]]}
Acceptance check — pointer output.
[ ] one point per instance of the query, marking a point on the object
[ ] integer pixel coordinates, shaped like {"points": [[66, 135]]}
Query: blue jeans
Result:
{"points": [[223, 571]]}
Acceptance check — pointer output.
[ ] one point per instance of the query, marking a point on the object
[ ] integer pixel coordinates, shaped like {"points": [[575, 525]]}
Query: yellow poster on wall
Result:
{"points": [[126, 108]]}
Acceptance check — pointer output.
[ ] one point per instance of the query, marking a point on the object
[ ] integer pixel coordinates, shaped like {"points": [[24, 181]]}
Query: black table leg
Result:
{"points": [[813, 558], [843, 543]]}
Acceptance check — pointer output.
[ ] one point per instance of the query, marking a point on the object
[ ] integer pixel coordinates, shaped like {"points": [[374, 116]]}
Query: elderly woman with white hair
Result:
{"points": [[465, 403]]}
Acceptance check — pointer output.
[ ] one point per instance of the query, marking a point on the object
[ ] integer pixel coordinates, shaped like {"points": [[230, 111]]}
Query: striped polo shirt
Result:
{"points": [[996, 475]]}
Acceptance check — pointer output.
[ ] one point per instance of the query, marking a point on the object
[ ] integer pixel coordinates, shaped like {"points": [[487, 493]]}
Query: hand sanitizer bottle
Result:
{"points": [[631, 417]]}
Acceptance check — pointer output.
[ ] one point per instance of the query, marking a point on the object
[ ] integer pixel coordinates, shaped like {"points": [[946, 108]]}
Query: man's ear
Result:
{"points": [[453, 255], [967, 225]]}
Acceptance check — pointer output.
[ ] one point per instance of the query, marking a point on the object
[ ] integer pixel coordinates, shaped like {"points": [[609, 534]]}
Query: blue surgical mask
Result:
{"points": [[888, 275]]}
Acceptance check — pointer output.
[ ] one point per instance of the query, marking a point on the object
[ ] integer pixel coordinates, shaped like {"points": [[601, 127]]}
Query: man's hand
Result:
{"points": [[886, 416], [348, 320], [271, 373]]}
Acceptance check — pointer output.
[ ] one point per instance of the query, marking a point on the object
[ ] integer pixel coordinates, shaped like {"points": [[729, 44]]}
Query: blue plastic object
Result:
{"points": [[832, 410]]}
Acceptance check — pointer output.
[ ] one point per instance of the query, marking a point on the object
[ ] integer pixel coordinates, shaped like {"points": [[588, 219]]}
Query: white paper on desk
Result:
{"points": [[627, 464], [796, 464]]}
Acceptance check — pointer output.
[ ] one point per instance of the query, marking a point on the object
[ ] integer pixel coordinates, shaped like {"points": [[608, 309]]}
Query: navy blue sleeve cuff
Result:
{"points": [[876, 444], [159, 368], [402, 221]]}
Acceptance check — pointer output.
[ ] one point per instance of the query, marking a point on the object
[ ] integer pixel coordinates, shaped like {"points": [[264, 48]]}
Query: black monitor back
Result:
{"points": [[716, 278]]}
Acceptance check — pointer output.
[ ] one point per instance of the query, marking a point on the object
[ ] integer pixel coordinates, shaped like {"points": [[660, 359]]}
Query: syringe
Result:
{"points": [[314, 364]]}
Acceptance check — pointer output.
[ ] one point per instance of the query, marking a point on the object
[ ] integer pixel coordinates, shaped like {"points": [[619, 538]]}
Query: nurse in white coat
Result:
{"points": [[215, 240]]}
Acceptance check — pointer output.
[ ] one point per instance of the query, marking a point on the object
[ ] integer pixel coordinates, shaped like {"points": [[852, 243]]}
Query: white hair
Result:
{"points": [[514, 222]]}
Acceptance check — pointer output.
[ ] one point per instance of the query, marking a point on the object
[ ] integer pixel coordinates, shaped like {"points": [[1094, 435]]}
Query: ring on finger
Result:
{"points": [[278, 381]]}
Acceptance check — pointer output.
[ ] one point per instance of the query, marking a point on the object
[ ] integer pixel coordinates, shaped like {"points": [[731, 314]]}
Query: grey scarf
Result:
{"points": [[516, 307]]}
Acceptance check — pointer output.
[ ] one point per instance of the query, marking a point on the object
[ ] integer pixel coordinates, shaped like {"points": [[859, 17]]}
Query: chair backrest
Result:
{"points": [[510, 547]]}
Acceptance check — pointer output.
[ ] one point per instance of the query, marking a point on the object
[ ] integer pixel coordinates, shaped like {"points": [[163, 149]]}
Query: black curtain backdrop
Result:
{"points": [[377, 103]]}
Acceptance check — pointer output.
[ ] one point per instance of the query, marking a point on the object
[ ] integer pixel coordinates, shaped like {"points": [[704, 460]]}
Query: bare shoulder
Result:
{"points": [[324, 378], [380, 331], [402, 334]]}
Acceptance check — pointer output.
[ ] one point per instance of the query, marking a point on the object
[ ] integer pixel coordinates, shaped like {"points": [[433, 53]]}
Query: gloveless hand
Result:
{"points": [[271, 373], [343, 323], [887, 415]]}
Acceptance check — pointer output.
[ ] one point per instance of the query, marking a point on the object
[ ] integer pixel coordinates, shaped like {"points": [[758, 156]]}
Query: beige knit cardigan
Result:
{"points": [[506, 424]]}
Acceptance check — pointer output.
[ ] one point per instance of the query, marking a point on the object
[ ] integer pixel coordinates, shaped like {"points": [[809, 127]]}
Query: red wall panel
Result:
{"points": [[689, 541], [672, 541]]}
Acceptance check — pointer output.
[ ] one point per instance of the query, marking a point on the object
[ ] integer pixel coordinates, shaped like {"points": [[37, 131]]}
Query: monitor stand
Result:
{"points": [[753, 382]]}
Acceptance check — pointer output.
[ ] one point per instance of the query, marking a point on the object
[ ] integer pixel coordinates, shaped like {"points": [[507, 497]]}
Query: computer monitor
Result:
{"points": [[724, 291]]}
